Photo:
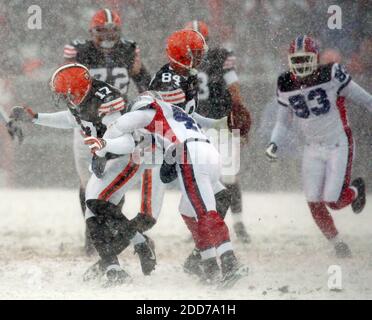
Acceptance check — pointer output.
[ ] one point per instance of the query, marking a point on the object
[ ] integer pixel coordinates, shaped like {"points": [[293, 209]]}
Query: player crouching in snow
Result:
{"points": [[197, 165], [91, 106], [314, 95]]}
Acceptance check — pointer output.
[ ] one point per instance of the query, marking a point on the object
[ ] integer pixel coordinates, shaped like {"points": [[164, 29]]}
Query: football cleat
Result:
{"points": [[146, 253], [192, 265], [342, 250], [115, 275], [241, 233], [360, 201], [211, 271], [232, 270]]}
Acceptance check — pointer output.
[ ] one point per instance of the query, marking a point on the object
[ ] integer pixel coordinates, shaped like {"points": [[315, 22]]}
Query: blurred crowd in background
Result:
{"points": [[258, 31]]}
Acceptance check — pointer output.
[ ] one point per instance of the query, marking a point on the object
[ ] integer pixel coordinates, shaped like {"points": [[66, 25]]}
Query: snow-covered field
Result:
{"points": [[41, 236]]}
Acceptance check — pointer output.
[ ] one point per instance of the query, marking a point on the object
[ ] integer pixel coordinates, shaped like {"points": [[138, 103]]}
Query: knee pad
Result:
{"points": [[223, 202], [111, 216], [143, 222]]}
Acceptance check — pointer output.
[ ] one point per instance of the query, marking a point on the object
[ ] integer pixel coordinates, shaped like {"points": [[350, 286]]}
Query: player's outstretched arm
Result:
{"points": [[129, 122], [139, 73], [357, 95], [61, 120], [282, 125], [239, 117], [209, 122]]}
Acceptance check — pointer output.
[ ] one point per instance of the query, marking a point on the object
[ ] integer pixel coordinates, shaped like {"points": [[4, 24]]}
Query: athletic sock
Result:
{"points": [[138, 238], [323, 219]]}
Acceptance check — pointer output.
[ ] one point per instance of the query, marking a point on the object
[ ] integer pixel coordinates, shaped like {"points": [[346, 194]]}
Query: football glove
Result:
{"points": [[271, 152], [24, 114]]}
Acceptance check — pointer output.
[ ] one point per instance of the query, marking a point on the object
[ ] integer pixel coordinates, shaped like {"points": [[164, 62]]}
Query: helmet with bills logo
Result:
{"points": [[185, 49], [105, 28], [303, 57], [70, 84]]}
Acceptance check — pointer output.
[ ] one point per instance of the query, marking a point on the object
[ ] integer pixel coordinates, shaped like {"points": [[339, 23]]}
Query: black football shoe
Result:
{"points": [[211, 271], [232, 270], [359, 203], [146, 254], [342, 250], [192, 264], [115, 275], [241, 233]]}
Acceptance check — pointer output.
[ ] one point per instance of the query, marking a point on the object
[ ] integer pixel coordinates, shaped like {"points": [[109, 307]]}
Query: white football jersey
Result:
{"points": [[317, 104], [171, 124]]}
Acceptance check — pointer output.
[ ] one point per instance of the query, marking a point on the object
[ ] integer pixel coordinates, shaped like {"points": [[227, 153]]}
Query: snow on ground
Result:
{"points": [[41, 236]]}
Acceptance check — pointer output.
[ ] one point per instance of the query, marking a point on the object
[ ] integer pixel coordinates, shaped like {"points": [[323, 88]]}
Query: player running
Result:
{"points": [[219, 97], [314, 96], [92, 105], [197, 166], [109, 58]]}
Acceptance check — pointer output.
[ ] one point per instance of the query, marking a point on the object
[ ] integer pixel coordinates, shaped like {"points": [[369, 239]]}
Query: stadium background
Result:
{"points": [[259, 32]]}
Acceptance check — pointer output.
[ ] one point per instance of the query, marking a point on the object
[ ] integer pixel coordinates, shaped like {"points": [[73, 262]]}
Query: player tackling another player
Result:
{"points": [[196, 90], [197, 166], [314, 96]]}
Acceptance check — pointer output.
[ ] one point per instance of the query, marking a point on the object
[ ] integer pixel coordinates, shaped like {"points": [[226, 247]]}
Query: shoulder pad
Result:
{"points": [[78, 42], [285, 83], [128, 43], [339, 73], [227, 51], [325, 73], [140, 103]]}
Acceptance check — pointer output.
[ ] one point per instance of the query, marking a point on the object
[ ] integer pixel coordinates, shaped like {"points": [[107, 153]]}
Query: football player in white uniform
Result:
{"points": [[314, 96], [197, 165], [219, 97]]}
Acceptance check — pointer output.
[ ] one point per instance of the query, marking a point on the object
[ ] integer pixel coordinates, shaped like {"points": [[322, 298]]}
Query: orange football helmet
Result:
{"points": [[105, 28], [71, 84], [185, 49], [199, 26]]}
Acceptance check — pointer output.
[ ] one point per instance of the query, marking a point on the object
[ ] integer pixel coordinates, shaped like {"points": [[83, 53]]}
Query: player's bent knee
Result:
{"points": [[110, 214]]}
